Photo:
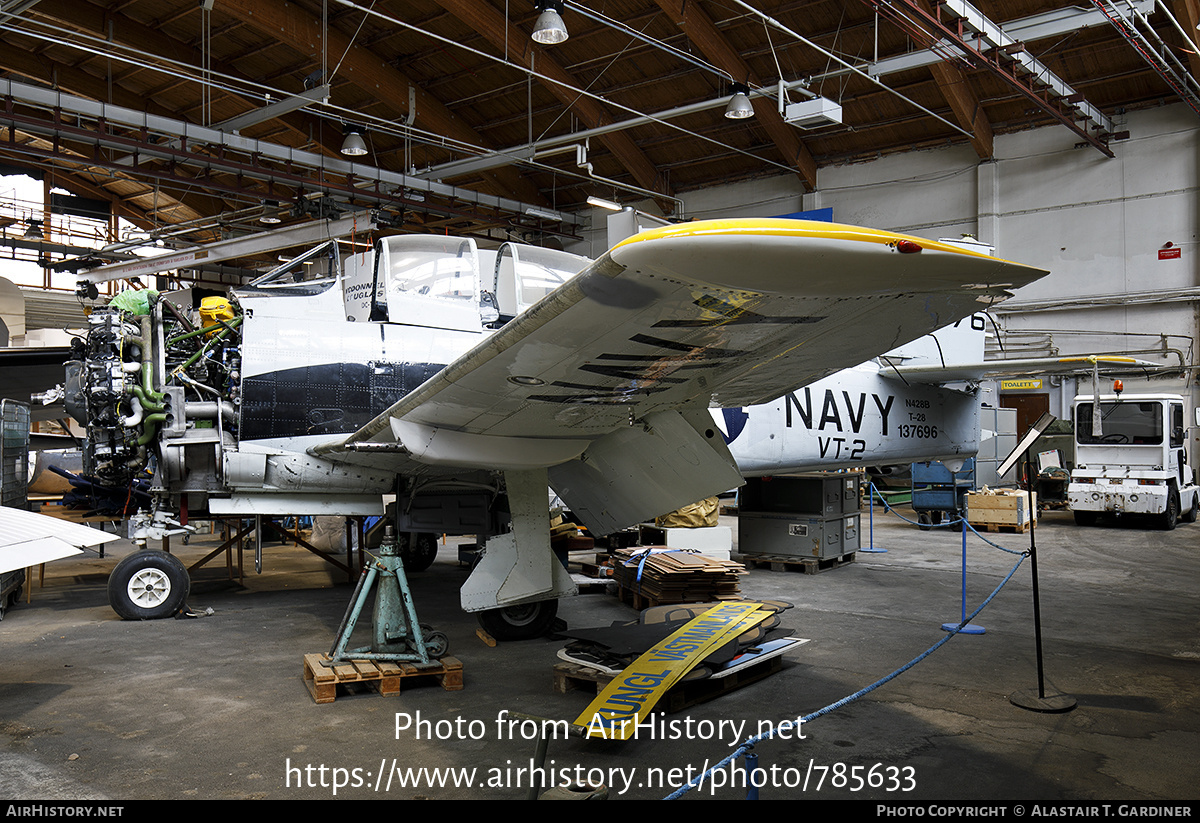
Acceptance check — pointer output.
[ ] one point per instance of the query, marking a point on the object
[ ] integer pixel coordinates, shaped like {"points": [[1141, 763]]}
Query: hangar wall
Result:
{"points": [[1097, 223]]}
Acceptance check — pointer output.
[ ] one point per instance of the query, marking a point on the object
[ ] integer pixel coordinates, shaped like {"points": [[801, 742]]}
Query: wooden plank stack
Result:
{"points": [[675, 576]]}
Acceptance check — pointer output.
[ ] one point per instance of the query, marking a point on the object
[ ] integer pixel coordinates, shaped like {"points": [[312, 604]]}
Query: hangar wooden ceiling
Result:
{"points": [[630, 105]]}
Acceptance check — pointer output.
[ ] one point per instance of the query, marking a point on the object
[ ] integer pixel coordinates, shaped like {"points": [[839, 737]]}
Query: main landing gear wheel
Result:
{"points": [[418, 551], [520, 622], [148, 585]]}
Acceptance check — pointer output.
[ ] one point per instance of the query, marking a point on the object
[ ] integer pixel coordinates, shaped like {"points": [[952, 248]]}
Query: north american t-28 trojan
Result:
{"points": [[468, 381]]}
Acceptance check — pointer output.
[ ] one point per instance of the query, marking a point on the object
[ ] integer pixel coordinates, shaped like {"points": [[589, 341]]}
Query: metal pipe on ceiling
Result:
{"points": [[192, 134], [575, 89]]}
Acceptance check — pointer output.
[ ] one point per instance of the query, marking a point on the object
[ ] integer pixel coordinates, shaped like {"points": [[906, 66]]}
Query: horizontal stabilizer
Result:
{"points": [[1024, 367]]}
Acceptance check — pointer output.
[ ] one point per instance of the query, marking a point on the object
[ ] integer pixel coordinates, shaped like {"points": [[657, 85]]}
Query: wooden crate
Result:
{"points": [[1001, 508]]}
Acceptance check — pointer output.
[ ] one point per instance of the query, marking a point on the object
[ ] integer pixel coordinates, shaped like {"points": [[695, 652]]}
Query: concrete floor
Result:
{"points": [[93, 707]]}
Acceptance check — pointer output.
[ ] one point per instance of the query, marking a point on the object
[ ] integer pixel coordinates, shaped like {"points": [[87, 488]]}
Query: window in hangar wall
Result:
{"points": [[68, 219]]}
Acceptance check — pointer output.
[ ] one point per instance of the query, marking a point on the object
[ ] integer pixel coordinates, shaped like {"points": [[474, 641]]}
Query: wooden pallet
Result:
{"points": [[324, 681], [591, 585], [785, 563], [596, 570], [1007, 528], [642, 600], [571, 676]]}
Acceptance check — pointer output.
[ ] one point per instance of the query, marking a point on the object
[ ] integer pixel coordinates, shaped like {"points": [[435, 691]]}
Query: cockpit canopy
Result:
{"points": [[450, 283]]}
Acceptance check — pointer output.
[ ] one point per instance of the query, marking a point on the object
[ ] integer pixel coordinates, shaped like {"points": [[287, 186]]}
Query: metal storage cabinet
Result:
{"points": [[817, 494], [800, 515], [14, 453], [791, 536], [14, 482]]}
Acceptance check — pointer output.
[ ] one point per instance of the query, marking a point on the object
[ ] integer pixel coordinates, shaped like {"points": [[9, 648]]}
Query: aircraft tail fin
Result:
{"points": [[953, 345]]}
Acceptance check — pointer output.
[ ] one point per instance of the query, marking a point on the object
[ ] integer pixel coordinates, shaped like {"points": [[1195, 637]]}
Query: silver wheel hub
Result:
{"points": [[149, 588]]}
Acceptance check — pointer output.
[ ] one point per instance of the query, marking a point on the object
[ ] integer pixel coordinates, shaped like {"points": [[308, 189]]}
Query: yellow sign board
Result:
{"points": [[621, 706], [1020, 385]]}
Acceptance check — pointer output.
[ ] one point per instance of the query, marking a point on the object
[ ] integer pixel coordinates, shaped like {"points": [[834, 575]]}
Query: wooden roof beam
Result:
{"points": [[1188, 14], [966, 106], [87, 17], [702, 31], [963, 101], [372, 74], [488, 21]]}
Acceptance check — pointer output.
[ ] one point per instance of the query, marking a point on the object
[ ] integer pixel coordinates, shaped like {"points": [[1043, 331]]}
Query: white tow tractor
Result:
{"points": [[1131, 458]]}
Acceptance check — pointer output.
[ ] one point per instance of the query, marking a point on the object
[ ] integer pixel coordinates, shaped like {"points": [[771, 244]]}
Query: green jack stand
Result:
{"points": [[397, 636]]}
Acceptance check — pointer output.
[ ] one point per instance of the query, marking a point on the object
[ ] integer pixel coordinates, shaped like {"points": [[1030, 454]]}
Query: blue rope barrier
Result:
{"points": [[833, 707], [788, 725], [890, 509]]}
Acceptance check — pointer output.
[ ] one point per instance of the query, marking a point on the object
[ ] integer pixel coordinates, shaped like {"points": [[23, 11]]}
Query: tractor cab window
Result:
{"points": [[1138, 424]]}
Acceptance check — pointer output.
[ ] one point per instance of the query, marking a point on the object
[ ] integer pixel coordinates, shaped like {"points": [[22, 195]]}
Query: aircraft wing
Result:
{"points": [[28, 539], [716, 313], [1018, 367]]}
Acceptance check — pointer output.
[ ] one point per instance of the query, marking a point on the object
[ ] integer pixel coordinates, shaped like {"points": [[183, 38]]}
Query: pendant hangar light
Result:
{"points": [[353, 145], [550, 28], [739, 107]]}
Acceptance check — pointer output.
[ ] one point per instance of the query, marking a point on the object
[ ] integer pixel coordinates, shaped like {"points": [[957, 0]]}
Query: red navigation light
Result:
{"points": [[907, 247]]}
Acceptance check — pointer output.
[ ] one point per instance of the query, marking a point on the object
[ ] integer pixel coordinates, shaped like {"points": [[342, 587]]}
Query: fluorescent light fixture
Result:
{"points": [[550, 28], [739, 107], [545, 214], [600, 202]]}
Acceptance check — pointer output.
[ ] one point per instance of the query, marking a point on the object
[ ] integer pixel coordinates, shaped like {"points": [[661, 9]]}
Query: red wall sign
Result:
{"points": [[1170, 254]]}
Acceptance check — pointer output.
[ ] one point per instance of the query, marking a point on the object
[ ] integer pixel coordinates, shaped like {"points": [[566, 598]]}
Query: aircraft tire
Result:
{"points": [[522, 622], [148, 585], [418, 551]]}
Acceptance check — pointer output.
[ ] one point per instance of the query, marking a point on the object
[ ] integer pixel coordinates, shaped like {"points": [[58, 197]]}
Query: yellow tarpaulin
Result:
{"points": [[617, 710]]}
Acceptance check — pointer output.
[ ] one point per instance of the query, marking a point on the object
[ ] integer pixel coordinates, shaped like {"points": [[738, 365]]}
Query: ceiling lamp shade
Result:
{"points": [[550, 28], [353, 145], [270, 215], [739, 107]]}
